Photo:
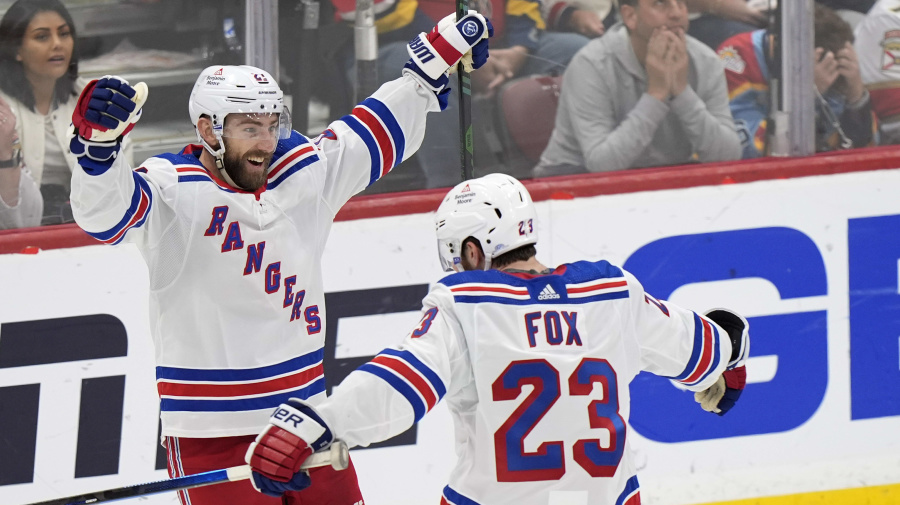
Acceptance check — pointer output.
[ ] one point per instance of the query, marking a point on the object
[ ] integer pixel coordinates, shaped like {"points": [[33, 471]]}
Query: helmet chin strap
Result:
{"points": [[219, 155]]}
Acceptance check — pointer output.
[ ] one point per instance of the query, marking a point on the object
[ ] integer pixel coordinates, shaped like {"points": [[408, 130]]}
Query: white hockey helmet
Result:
{"points": [[495, 209], [236, 89]]}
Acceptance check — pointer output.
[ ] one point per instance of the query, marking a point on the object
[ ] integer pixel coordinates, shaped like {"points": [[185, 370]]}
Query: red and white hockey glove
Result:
{"points": [[106, 111], [721, 396], [294, 432], [435, 54], [450, 41]]}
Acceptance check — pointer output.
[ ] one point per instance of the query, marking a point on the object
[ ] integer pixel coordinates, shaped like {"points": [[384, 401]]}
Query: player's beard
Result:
{"points": [[246, 180]]}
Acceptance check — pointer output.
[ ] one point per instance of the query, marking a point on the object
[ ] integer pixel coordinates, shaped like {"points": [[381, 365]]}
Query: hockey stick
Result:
{"points": [[466, 150], [338, 457]]}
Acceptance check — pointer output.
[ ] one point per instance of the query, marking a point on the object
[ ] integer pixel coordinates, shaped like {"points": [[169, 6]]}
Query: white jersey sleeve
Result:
{"points": [[394, 390], [121, 200], [677, 343], [379, 133]]}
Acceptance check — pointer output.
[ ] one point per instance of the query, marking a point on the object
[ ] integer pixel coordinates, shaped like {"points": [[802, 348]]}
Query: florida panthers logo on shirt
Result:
{"points": [[891, 45], [732, 60]]}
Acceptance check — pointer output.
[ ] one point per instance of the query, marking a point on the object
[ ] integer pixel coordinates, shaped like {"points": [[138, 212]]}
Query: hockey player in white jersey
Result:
{"points": [[534, 363], [233, 230]]}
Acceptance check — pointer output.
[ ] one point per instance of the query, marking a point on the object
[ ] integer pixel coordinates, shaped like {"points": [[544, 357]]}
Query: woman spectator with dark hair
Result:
{"points": [[38, 86]]}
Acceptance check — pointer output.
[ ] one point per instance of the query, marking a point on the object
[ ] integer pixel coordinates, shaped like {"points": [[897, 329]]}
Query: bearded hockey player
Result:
{"points": [[233, 230]]}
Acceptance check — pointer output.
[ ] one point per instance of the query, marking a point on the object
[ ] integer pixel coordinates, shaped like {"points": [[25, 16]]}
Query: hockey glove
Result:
{"points": [[434, 55], [721, 396], [294, 432], [441, 49], [106, 111]]}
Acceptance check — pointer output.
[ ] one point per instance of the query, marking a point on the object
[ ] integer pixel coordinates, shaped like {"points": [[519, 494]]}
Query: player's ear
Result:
{"points": [[204, 126], [474, 256]]}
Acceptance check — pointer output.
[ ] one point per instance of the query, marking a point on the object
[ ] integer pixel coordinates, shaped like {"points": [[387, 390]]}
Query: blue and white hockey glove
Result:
{"points": [[434, 55], [721, 396], [295, 431], [106, 111]]}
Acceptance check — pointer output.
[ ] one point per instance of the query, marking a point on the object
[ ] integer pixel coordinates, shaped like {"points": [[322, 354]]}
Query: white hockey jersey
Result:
{"points": [[237, 308], [535, 370], [878, 51]]}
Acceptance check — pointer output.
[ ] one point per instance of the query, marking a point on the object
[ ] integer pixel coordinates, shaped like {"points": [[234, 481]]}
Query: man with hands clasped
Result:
{"points": [[666, 62], [645, 94]]}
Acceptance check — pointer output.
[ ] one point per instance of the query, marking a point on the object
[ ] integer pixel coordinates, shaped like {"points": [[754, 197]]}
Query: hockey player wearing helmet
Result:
{"points": [[534, 363], [239, 115], [233, 231]]}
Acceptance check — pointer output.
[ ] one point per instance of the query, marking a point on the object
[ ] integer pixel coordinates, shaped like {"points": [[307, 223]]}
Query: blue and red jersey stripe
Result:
{"points": [[135, 215], [379, 130], [412, 378], [631, 495], [705, 355], [451, 497], [229, 390], [290, 163], [197, 173]]}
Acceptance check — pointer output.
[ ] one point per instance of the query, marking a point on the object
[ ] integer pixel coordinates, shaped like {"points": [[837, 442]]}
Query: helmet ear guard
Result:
{"points": [[495, 209]]}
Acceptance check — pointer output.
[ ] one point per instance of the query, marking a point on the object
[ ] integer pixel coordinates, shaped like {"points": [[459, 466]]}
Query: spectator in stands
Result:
{"points": [[852, 11], [397, 22], [644, 94], [38, 74], [712, 21], [878, 49], [528, 47], [719, 19], [20, 198], [844, 116], [524, 47], [590, 18], [860, 6]]}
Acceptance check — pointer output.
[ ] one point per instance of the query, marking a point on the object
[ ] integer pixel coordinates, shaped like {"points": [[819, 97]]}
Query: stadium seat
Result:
{"points": [[526, 114]]}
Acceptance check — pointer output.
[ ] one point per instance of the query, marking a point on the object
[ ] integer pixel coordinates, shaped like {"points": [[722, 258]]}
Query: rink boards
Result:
{"points": [[812, 261]]}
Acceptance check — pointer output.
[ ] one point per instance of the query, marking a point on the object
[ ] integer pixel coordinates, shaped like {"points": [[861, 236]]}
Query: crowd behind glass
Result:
{"points": [[572, 86]]}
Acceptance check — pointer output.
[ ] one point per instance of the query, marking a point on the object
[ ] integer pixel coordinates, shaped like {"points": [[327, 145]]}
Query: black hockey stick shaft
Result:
{"points": [[466, 149], [338, 457]]}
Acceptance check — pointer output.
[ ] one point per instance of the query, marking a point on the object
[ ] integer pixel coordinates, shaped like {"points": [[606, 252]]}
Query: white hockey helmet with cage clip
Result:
{"points": [[236, 89], [495, 209]]}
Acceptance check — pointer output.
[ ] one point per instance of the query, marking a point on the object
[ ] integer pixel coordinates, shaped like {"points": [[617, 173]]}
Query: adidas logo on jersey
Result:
{"points": [[548, 293]]}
